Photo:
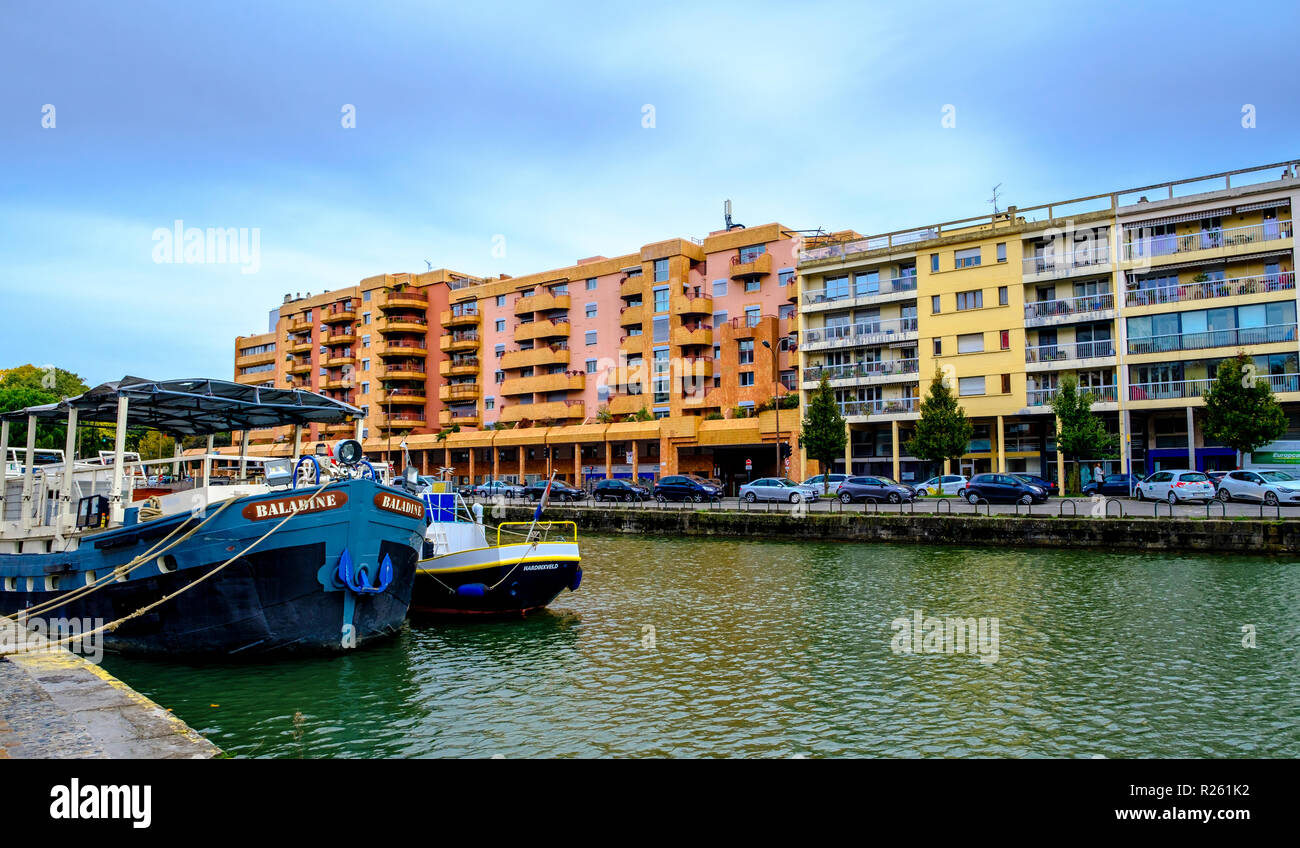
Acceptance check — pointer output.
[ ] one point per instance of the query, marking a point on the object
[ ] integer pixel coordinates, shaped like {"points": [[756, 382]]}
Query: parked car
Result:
{"points": [[874, 489], [1113, 484], [834, 481], [1003, 488], [1269, 487], [467, 491], [947, 484], [495, 488], [560, 491], [686, 487], [1175, 486], [1216, 477], [1048, 486], [778, 489], [619, 490]]}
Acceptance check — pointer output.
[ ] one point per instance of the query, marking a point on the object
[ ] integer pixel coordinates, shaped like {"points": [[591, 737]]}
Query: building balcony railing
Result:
{"points": [[250, 359], [761, 264], [880, 406], [1052, 265], [300, 326], [458, 318], [401, 347], [1186, 389], [401, 421], [407, 397], [461, 417], [688, 336], [1170, 245], [1256, 284], [628, 404], [459, 392], [863, 289], [1100, 394], [337, 316], [685, 304], [631, 286], [855, 335], [403, 324], [1272, 334], [458, 341], [549, 329], [571, 381], [1068, 352], [1081, 308], [541, 302], [301, 366], [553, 410], [404, 299], [403, 370], [304, 346], [339, 337], [340, 361], [458, 367], [861, 370], [631, 316], [544, 355]]}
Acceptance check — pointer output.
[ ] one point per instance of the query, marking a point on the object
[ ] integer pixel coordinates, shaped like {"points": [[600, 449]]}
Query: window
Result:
{"points": [[968, 258], [719, 288], [745, 350], [1002, 296], [753, 285], [1004, 338], [934, 304], [661, 329], [938, 347], [500, 376], [591, 337], [591, 310], [837, 287], [591, 366], [661, 270], [719, 318], [591, 284], [934, 263], [365, 317], [501, 325], [746, 378], [1002, 251], [970, 343], [973, 299], [365, 387], [785, 277], [1006, 384], [489, 403], [500, 350], [785, 310], [661, 299], [753, 314], [365, 365], [749, 254], [365, 297], [970, 386], [501, 300], [365, 341]]}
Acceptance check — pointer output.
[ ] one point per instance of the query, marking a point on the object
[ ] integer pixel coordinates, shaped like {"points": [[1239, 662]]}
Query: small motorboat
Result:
{"points": [[524, 568]]}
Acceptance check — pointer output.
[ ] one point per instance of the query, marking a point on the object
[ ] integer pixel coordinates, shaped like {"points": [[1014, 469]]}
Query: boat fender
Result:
{"points": [[472, 590], [358, 580], [577, 580]]}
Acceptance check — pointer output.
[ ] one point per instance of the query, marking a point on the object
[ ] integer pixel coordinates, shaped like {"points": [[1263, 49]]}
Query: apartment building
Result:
{"points": [[663, 361], [1139, 293]]}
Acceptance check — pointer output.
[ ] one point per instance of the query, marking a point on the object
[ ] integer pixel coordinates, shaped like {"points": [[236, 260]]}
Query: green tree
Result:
{"points": [[28, 385], [943, 431], [1240, 410], [1081, 434], [824, 435]]}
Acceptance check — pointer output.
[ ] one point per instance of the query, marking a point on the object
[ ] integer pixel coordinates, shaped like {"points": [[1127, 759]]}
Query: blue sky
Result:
{"points": [[525, 121]]}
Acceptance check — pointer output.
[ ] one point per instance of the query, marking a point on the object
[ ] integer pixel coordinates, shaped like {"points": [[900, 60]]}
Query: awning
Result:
{"points": [[1158, 270], [1178, 219], [521, 436], [576, 433], [632, 430], [1267, 204], [730, 432], [195, 407], [471, 439]]}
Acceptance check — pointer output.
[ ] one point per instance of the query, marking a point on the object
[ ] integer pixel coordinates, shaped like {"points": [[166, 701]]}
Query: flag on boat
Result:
{"points": [[541, 503]]}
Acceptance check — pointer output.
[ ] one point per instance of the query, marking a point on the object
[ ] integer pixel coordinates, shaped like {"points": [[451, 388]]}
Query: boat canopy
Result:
{"points": [[195, 407]]}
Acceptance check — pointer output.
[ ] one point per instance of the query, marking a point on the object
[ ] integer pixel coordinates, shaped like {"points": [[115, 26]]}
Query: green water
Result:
{"points": [[776, 649]]}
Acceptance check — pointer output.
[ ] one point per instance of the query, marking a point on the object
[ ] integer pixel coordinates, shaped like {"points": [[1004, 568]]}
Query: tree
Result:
{"points": [[824, 436], [1240, 409], [28, 385], [1081, 434], [943, 431]]}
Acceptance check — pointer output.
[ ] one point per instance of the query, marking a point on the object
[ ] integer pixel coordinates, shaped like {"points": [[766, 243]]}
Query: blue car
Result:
{"points": [[1121, 485], [685, 487]]}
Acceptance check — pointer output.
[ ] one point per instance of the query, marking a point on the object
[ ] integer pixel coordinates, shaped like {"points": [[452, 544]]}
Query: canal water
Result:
{"points": [[695, 647]]}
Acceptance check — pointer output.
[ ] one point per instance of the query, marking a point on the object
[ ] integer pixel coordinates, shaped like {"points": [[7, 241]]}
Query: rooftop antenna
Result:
{"points": [[994, 199], [428, 263], [726, 214]]}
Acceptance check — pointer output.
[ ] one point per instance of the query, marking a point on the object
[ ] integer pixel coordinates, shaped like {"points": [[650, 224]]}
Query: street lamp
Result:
{"points": [[783, 344]]}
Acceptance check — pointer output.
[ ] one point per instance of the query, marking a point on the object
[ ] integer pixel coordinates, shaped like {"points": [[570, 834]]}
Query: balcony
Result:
{"points": [[300, 326], [301, 366], [339, 337], [632, 346], [465, 340], [688, 336], [400, 421], [403, 371], [1047, 313], [541, 330], [404, 299], [759, 265], [463, 367], [305, 346], [792, 290], [338, 316], [1059, 265], [559, 410], [880, 406], [1058, 356], [458, 418], [458, 318], [684, 304], [865, 334], [546, 355], [403, 324], [1210, 289], [695, 368], [1101, 394], [1189, 389], [407, 397], [460, 393], [882, 371], [628, 404], [342, 428], [338, 383], [861, 293], [1154, 247], [572, 381], [402, 347], [527, 304], [340, 361], [1274, 334], [266, 357], [631, 316], [631, 286]]}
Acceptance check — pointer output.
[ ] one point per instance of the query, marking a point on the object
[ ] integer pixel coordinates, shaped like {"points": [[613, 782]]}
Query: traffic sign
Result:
{"points": [[749, 464]]}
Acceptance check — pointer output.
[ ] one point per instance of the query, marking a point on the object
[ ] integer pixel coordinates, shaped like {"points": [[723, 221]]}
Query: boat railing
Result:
{"points": [[541, 530]]}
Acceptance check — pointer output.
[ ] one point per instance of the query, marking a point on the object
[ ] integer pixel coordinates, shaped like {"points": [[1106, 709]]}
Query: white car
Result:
{"points": [[1270, 487], [948, 484], [1175, 486], [831, 486], [778, 489]]}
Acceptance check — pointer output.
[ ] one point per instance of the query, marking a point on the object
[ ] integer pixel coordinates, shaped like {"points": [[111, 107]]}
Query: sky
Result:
{"points": [[512, 138]]}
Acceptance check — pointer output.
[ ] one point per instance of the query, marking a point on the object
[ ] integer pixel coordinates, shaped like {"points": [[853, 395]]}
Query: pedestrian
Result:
{"points": [[1096, 473]]}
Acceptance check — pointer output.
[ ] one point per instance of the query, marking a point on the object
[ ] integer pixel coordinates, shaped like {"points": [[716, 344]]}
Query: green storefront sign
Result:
{"points": [[1275, 458]]}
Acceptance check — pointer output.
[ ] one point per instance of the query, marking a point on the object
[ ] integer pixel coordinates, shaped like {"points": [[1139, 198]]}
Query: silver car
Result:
{"points": [[1175, 486], [778, 489], [1269, 487]]}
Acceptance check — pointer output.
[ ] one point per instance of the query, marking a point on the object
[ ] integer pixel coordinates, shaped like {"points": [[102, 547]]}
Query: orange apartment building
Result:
{"points": [[662, 361]]}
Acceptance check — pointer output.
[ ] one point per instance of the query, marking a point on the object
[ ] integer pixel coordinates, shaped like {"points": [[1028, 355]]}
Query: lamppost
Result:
{"points": [[783, 344]]}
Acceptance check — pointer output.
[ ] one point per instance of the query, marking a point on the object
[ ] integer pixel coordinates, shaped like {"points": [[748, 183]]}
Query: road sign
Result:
{"points": [[749, 464], [787, 463]]}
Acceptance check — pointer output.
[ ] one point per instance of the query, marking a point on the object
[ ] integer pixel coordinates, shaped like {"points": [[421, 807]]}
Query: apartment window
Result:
{"points": [[934, 263], [500, 350], [785, 277], [934, 304], [749, 254], [752, 315], [659, 360], [746, 378], [785, 310], [746, 352], [591, 337], [970, 299], [1004, 338], [719, 318], [489, 403], [591, 310], [365, 297], [661, 299], [661, 270], [753, 285], [660, 389], [661, 329], [501, 300], [591, 366], [1002, 295], [968, 258], [365, 365], [1002, 251], [365, 317], [970, 343], [1006, 384], [501, 325], [365, 341], [719, 288], [591, 284], [499, 376], [970, 386], [938, 347], [365, 387]]}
